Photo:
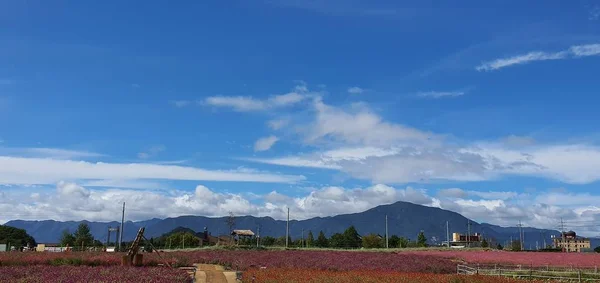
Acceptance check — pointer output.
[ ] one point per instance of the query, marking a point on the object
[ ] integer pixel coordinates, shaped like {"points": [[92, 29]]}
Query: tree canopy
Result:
{"points": [[421, 240], [83, 236], [322, 241], [351, 238], [597, 249], [15, 236], [372, 241], [310, 239]]}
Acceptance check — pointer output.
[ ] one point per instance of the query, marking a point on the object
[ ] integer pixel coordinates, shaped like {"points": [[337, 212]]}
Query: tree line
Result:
{"points": [[349, 239]]}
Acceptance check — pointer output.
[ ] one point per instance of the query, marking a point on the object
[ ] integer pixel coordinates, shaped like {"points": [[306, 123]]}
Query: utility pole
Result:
{"points": [[108, 237], [469, 233], [386, 233], [562, 233], [520, 234], [183, 244], [287, 228], [122, 230], [447, 234], [302, 241], [257, 235]]}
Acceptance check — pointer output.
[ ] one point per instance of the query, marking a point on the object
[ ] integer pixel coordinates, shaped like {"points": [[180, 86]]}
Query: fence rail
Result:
{"points": [[573, 275]]}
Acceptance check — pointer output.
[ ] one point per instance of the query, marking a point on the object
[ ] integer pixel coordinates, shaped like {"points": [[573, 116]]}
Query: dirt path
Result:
{"points": [[209, 273]]}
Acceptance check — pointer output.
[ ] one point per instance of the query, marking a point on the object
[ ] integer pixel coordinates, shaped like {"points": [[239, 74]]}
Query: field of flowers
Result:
{"points": [[76, 274], [242, 260], [576, 260], [276, 275]]}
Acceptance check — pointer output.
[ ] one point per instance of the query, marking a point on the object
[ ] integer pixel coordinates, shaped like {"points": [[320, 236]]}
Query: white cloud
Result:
{"points": [[359, 126], [248, 103], [17, 170], [521, 59], [277, 124], [440, 94], [43, 152], [265, 143], [452, 193], [355, 90], [575, 51], [585, 50]]}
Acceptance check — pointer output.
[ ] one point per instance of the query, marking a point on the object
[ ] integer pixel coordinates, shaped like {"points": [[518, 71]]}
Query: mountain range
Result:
{"points": [[404, 219]]}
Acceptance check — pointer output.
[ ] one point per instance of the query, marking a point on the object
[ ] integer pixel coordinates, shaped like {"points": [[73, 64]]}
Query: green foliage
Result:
{"points": [[280, 241], [499, 247], [267, 241], [67, 239], [484, 243], [83, 236], [310, 239], [402, 242], [421, 240], [394, 241], [322, 241], [352, 238], [183, 240], [337, 241], [15, 236], [597, 249], [372, 241], [515, 246]]}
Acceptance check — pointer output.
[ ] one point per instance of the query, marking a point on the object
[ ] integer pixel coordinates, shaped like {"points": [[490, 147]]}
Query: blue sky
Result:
{"points": [[327, 107]]}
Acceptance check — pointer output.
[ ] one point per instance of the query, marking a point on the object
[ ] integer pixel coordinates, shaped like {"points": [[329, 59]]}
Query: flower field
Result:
{"points": [[279, 265], [276, 275], [76, 274], [242, 260], [576, 260]]}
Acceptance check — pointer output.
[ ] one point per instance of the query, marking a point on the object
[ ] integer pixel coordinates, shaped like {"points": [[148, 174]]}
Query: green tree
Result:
{"points": [[83, 236], [499, 247], [267, 241], [484, 243], [421, 240], [337, 240], [15, 236], [67, 239], [352, 238], [394, 241], [597, 249], [322, 241], [403, 242], [310, 239], [515, 246], [280, 241], [372, 241]]}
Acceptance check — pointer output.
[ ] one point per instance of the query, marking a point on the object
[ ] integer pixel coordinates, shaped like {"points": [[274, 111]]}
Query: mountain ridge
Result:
{"points": [[404, 219]]}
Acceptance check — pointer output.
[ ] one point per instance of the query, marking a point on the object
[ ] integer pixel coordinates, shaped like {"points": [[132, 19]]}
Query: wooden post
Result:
{"points": [[138, 260], [125, 260]]}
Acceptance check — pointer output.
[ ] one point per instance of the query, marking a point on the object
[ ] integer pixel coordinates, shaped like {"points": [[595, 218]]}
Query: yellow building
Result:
{"points": [[569, 242]]}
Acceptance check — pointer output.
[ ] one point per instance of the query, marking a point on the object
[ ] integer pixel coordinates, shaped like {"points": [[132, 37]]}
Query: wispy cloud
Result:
{"points": [[265, 143], [594, 13], [277, 124], [151, 152], [355, 90], [19, 170], [575, 51], [44, 152], [248, 103], [440, 94]]}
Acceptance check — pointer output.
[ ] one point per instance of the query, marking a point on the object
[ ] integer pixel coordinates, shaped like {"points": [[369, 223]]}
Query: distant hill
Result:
{"points": [[404, 219]]}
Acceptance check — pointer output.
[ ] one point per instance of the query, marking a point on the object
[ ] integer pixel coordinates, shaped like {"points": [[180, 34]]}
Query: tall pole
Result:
{"points": [[302, 242], [386, 233], [122, 230], [257, 235], [108, 237], [469, 233], [447, 234], [562, 233], [287, 228], [521, 234]]}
